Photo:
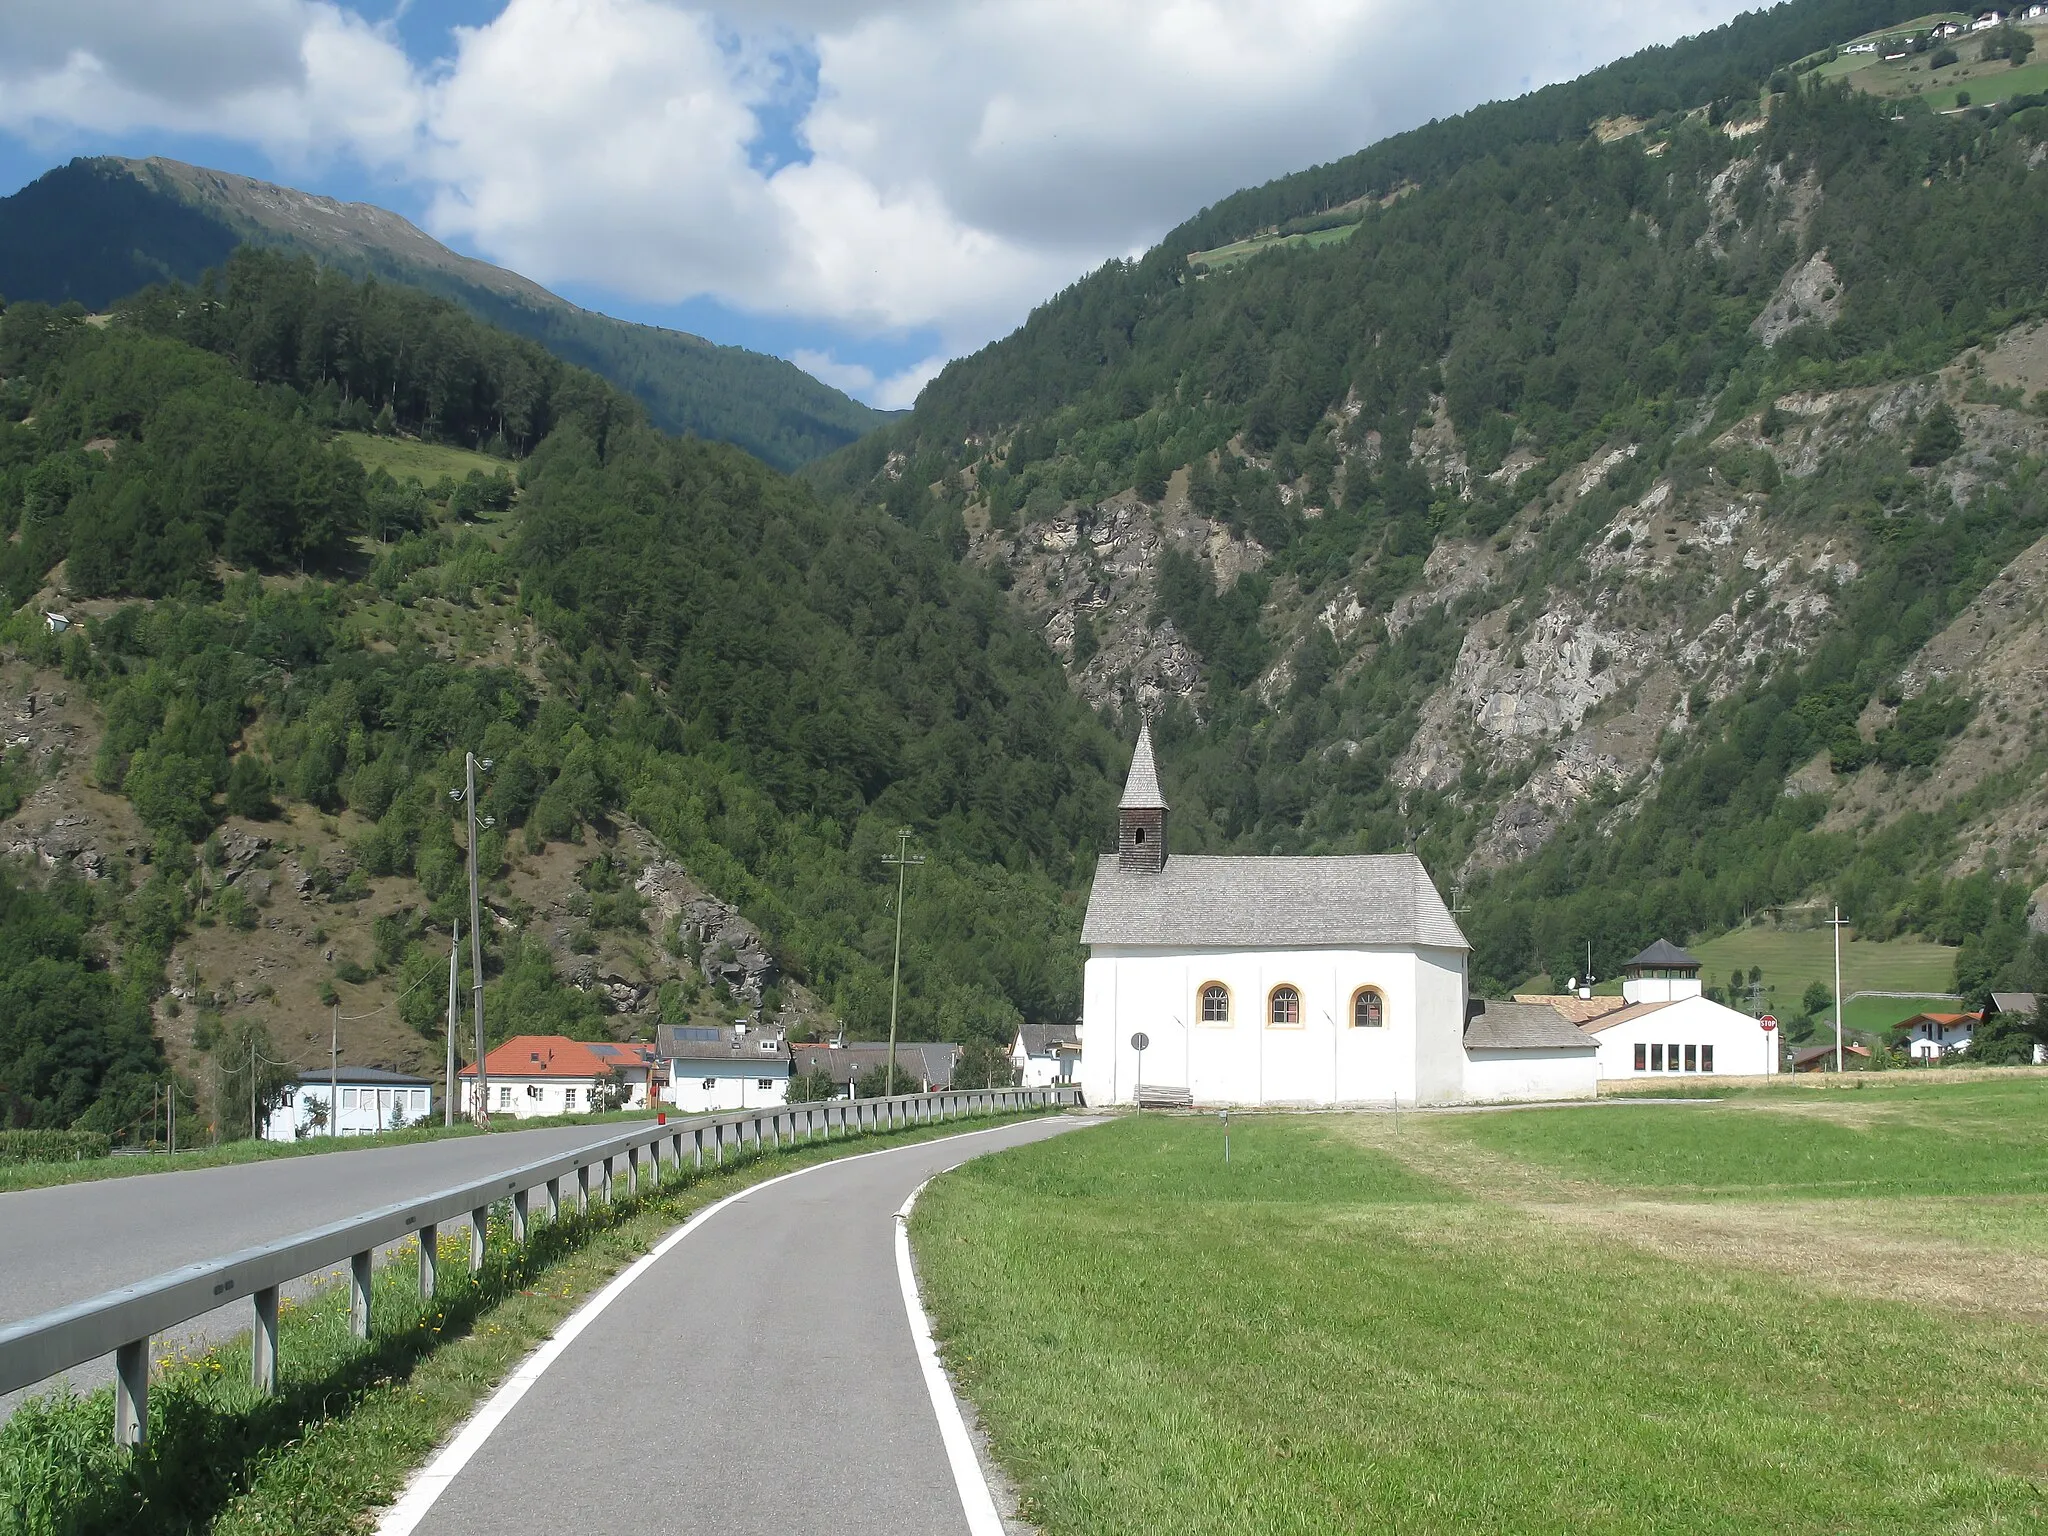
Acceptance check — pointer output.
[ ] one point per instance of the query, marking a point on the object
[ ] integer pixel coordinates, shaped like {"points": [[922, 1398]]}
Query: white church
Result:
{"points": [[1295, 982]]}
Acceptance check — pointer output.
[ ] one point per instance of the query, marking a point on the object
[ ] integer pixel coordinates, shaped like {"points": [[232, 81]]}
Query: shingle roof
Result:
{"points": [[1253, 903], [1626, 1015], [931, 1061], [1523, 1027], [2014, 1002], [704, 1042], [1141, 789], [1041, 1039], [1663, 953], [1571, 1006]]}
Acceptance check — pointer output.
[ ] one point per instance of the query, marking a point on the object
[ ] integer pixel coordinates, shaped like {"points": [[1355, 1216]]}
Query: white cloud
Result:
{"points": [[888, 392], [966, 158]]}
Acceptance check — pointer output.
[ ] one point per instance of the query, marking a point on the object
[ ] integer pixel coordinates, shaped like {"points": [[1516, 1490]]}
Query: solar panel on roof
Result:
{"points": [[696, 1033]]}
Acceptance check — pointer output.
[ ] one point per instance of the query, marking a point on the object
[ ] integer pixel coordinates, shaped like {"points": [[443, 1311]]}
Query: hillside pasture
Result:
{"points": [[1792, 958], [408, 458], [1365, 1325], [1243, 250]]}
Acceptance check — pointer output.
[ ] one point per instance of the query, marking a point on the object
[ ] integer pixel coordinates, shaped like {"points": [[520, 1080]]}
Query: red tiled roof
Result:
{"points": [[543, 1056]]}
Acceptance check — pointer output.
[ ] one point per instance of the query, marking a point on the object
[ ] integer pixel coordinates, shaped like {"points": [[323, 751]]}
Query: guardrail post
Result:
{"points": [[479, 1229], [718, 1135], [519, 1216], [359, 1293], [610, 1173], [430, 1255], [583, 1189], [697, 1138], [263, 1341], [554, 1201], [675, 1150], [131, 1393], [632, 1172]]}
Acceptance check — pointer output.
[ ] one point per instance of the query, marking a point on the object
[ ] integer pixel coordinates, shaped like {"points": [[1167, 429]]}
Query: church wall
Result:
{"points": [[1323, 1060], [1740, 1048], [1493, 1077]]}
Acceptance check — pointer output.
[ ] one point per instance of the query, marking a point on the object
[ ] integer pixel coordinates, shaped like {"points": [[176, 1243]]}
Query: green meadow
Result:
{"points": [[1496, 1323], [405, 457], [1791, 958]]}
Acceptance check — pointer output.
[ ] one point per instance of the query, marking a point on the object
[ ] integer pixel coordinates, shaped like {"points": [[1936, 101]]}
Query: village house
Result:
{"points": [[535, 1075], [712, 1068], [926, 1065], [1821, 1058], [1664, 1024], [1045, 1054], [372, 1100], [1931, 1036], [1292, 981]]}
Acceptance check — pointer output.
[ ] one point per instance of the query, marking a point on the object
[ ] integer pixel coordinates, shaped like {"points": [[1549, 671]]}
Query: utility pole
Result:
{"points": [[1835, 923], [454, 1011], [467, 794], [252, 1085], [334, 1074], [902, 860]]}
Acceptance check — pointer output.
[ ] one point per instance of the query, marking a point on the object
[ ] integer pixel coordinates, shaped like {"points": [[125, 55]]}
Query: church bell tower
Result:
{"points": [[1141, 815]]}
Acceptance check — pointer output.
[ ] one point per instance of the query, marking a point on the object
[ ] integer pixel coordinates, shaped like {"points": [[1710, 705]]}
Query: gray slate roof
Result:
{"points": [[1141, 789], [2014, 1002], [930, 1061], [1524, 1027], [703, 1042], [1663, 953], [1270, 903], [1041, 1039]]}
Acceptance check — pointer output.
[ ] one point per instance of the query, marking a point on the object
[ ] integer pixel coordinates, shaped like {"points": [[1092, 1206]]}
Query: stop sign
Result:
{"points": [[1769, 1022]]}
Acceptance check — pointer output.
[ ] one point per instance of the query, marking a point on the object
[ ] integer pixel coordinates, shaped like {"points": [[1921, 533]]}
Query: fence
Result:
{"points": [[121, 1322]]}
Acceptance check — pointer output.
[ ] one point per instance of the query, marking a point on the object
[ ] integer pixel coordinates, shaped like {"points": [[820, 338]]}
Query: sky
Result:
{"points": [[867, 189]]}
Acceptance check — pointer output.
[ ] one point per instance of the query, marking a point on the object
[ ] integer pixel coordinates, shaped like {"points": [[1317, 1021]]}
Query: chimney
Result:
{"points": [[1141, 815]]}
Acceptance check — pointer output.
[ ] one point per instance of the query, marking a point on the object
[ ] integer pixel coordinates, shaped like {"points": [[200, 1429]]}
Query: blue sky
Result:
{"points": [[865, 188]]}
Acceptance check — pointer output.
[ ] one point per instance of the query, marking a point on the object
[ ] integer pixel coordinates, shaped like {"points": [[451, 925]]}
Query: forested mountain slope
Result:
{"points": [[229, 778], [97, 230], [1595, 519]]}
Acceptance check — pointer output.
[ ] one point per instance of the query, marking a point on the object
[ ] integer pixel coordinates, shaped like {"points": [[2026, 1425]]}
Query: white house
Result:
{"points": [[1931, 1036], [535, 1075], [1987, 21], [1291, 981], [1044, 1054], [713, 1068], [372, 1100], [1667, 1027]]}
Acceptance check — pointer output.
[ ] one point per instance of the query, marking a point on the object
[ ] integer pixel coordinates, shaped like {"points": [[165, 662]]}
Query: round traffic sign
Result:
{"points": [[1140, 1040], [1768, 1022]]}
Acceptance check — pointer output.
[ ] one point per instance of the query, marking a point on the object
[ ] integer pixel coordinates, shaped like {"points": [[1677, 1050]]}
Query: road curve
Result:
{"points": [[75, 1241], [760, 1376]]}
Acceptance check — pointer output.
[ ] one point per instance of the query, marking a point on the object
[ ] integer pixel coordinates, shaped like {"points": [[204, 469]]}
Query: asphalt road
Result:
{"points": [[75, 1241], [718, 1392]]}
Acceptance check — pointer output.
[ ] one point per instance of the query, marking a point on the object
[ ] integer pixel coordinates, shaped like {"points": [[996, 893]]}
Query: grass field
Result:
{"points": [[1987, 82], [1358, 1327], [1228, 255], [402, 457], [1792, 957]]}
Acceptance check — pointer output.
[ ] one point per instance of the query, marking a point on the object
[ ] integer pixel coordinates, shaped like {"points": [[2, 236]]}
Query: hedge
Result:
{"points": [[52, 1146]]}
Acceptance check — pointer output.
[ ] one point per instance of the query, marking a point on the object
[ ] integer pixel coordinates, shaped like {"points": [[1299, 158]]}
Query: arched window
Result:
{"points": [[1284, 1010], [1368, 1008], [1215, 1003]]}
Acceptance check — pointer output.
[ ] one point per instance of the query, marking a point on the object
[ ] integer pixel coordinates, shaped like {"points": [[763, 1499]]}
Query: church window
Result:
{"points": [[1215, 1003], [1285, 1011], [1368, 1008]]}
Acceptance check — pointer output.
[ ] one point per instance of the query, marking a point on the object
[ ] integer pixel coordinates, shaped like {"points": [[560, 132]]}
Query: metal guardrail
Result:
{"points": [[122, 1322]]}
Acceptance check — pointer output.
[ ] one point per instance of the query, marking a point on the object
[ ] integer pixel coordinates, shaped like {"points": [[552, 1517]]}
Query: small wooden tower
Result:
{"points": [[1141, 815]]}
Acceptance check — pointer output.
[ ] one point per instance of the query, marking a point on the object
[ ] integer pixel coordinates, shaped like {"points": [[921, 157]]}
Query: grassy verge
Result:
{"points": [[42, 1175], [352, 1419], [1328, 1338]]}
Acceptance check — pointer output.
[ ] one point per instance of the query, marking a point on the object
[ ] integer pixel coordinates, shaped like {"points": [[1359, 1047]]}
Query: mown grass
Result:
{"points": [[426, 462], [1793, 958], [1324, 1341], [352, 1418], [16, 1176], [1903, 1134]]}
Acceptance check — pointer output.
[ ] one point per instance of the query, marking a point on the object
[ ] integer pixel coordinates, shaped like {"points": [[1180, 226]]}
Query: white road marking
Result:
{"points": [[975, 1499], [427, 1485]]}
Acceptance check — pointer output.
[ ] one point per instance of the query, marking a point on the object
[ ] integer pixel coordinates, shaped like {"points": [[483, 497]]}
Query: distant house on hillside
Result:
{"points": [[1821, 1058], [1987, 21], [1930, 1036], [1949, 29], [1860, 48], [534, 1075], [713, 1068], [372, 1099], [1044, 1054]]}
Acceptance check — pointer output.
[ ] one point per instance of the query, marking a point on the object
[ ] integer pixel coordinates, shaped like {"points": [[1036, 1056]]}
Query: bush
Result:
{"points": [[51, 1146]]}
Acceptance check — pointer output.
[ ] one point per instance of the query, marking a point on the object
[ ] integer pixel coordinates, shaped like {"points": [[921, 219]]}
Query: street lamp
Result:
{"points": [[467, 795]]}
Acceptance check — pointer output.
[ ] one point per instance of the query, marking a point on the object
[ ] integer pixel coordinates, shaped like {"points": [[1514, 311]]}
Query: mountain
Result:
{"points": [[1629, 497], [707, 701], [97, 230]]}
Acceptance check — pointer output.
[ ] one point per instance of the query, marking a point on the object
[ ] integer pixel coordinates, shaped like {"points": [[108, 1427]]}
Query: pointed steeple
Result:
{"points": [[1141, 814]]}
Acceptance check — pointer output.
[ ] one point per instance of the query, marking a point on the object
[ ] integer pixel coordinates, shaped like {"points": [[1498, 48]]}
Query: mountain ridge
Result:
{"points": [[96, 230]]}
